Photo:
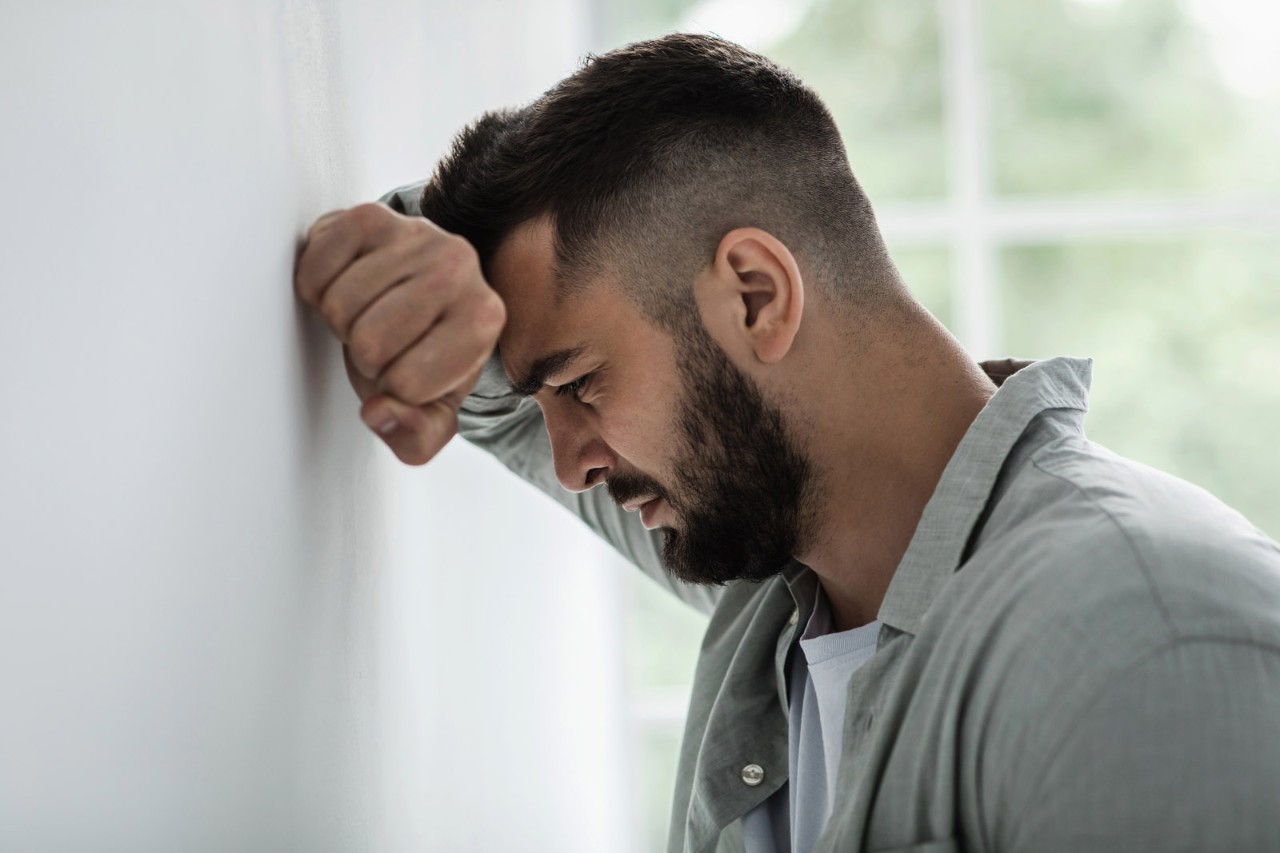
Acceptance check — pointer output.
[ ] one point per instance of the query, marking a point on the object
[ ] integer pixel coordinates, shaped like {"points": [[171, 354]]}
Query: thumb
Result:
{"points": [[415, 434]]}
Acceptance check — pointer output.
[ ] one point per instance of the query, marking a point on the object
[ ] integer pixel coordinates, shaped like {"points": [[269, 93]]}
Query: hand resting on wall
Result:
{"points": [[414, 313]]}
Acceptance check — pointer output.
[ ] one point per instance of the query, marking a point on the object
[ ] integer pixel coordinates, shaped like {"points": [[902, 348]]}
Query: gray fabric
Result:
{"points": [[1078, 652]]}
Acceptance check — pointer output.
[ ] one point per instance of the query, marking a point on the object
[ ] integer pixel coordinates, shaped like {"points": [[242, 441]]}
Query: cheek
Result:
{"points": [[644, 435]]}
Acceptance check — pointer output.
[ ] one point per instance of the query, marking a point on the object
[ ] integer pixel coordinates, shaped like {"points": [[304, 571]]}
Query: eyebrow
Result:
{"points": [[542, 368]]}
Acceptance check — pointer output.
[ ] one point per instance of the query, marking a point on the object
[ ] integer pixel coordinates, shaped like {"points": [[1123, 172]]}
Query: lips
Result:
{"points": [[647, 507], [647, 513]]}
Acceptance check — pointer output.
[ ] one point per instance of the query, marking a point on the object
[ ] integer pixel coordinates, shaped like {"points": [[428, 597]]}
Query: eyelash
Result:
{"points": [[573, 388]]}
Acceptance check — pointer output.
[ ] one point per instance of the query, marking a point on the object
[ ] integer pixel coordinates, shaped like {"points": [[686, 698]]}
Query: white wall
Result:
{"points": [[228, 619]]}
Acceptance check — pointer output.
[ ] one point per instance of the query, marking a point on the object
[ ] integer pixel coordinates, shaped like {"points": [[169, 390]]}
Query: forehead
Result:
{"points": [[523, 272], [524, 263]]}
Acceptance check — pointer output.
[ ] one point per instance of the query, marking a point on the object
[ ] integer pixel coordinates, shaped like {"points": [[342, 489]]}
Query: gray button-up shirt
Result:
{"points": [[1078, 652]]}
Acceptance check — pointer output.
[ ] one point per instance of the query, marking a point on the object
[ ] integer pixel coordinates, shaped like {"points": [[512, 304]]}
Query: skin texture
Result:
{"points": [[656, 418], [872, 403], [416, 319]]}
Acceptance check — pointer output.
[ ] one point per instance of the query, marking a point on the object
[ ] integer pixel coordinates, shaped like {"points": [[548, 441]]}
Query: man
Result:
{"points": [[941, 619]]}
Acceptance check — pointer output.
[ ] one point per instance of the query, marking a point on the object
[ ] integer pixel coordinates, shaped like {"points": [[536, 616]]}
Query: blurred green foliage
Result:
{"points": [[662, 639], [928, 270], [1117, 98], [1185, 336], [657, 750], [878, 67]]}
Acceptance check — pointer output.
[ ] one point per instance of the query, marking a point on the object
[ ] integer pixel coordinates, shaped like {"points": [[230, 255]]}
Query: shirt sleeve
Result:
{"points": [[499, 421], [1179, 752]]}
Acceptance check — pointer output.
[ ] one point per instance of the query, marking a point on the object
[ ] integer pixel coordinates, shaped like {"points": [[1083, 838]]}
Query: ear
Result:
{"points": [[752, 296]]}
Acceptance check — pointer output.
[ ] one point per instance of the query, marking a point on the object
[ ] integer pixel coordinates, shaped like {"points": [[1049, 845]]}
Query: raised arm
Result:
{"points": [[418, 324]]}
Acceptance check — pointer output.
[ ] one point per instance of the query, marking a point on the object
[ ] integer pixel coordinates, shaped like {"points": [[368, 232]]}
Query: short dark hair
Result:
{"points": [[648, 155]]}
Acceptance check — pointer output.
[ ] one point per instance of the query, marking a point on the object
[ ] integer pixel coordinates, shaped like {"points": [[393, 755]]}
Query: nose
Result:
{"points": [[582, 458]]}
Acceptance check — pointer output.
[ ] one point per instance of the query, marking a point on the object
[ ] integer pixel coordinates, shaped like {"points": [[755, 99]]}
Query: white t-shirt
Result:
{"points": [[792, 819]]}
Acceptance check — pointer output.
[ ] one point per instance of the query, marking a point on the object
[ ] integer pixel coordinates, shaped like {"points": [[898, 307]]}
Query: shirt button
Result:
{"points": [[795, 617], [753, 774]]}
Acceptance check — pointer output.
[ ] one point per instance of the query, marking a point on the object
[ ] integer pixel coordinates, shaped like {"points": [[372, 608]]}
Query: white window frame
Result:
{"points": [[976, 224]]}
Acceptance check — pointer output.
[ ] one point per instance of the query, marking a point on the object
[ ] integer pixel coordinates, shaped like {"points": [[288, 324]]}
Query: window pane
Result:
{"points": [[619, 22], [928, 273], [663, 638], [876, 64], [1125, 96], [657, 751], [1186, 340]]}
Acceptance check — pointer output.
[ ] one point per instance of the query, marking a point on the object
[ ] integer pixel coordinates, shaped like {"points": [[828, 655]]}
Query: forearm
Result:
{"points": [[511, 428]]}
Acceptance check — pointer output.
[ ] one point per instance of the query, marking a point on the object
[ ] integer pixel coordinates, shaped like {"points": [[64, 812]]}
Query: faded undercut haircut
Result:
{"points": [[647, 156]]}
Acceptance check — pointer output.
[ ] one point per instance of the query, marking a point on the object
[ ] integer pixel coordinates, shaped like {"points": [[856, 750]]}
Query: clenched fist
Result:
{"points": [[415, 316]]}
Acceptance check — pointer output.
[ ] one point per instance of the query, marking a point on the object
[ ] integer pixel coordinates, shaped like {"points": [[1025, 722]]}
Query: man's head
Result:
{"points": [[647, 156], [651, 223]]}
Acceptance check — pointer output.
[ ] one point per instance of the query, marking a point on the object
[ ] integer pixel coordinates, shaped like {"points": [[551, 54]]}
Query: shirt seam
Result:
{"points": [[1134, 550]]}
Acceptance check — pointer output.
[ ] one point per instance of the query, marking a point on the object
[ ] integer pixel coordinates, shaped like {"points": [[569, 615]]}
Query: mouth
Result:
{"points": [[647, 508]]}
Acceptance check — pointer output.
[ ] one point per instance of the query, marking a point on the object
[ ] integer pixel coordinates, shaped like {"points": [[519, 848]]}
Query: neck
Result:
{"points": [[880, 438]]}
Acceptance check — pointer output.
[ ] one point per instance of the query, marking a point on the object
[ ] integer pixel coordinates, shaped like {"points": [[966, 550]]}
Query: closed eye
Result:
{"points": [[575, 388]]}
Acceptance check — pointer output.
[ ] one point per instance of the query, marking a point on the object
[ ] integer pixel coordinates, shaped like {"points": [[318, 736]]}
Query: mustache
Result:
{"points": [[628, 487]]}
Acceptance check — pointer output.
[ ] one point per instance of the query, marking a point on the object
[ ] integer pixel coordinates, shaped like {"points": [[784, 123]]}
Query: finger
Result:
{"points": [[442, 358], [399, 317], [306, 239], [414, 433], [459, 394], [334, 242], [324, 252], [367, 278], [363, 385], [324, 220]]}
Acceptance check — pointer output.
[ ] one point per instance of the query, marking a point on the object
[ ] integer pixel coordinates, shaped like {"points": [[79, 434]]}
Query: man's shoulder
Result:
{"points": [[1106, 613], [1089, 561], [1084, 528]]}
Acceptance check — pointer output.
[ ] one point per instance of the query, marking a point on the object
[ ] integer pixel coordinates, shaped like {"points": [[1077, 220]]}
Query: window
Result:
{"points": [[1084, 177]]}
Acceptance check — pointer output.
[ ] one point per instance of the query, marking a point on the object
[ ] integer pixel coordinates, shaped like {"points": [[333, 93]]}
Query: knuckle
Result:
{"points": [[404, 383], [436, 285], [335, 314], [458, 256], [454, 265], [306, 280], [366, 345], [491, 314], [370, 217], [322, 222]]}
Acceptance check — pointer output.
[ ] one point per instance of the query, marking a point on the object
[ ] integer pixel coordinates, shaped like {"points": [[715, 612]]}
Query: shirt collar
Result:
{"points": [[947, 522]]}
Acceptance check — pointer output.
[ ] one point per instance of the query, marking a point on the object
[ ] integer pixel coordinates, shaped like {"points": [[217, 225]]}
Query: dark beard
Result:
{"points": [[741, 482]]}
